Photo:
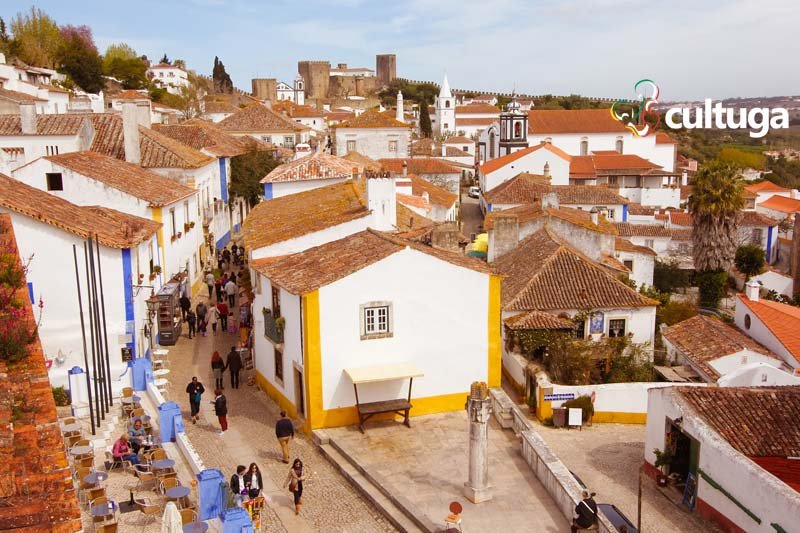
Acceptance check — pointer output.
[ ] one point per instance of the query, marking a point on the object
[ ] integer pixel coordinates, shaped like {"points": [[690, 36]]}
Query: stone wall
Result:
{"points": [[316, 75], [265, 88], [385, 68]]}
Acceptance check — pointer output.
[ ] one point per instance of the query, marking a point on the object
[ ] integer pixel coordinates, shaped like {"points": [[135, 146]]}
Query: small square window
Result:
{"points": [[580, 329], [279, 364], [54, 181], [376, 320], [628, 264], [351, 146], [616, 327], [392, 146]]}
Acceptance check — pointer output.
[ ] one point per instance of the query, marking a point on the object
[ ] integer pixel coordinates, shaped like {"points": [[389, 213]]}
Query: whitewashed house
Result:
{"points": [[173, 79], [89, 179], [541, 159], [426, 199], [294, 93], [305, 115], [309, 172], [639, 260], [46, 229], [373, 134], [445, 174], [344, 302], [263, 124], [774, 325]]}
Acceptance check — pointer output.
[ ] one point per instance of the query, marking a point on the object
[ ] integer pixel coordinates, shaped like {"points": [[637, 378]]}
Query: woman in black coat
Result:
{"points": [[221, 410], [252, 480]]}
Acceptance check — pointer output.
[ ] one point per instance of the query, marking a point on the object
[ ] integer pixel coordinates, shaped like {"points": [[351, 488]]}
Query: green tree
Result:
{"points": [[673, 312], [121, 62], [750, 260], [715, 203], [247, 170], [4, 38], [425, 128], [222, 81], [743, 158], [36, 38], [668, 276], [78, 58]]}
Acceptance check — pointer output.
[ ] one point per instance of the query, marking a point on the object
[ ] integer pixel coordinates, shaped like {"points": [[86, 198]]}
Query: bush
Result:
{"points": [[61, 396], [582, 402], [668, 276], [674, 312], [712, 287], [750, 260]]}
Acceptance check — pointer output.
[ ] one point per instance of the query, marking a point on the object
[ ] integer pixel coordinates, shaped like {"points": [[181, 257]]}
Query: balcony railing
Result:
{"points": [[272, 330]]}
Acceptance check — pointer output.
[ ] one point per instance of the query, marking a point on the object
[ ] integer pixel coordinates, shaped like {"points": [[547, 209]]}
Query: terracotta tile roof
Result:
{"points": [[613, 263], [538, 320], [754, 218], [627, 229], [624, 245], [219, 106], [316, 267], [765, 186], [530, 212], [203, 135], [782, 204], [157, 150], [437, 195], [639, 209], [681, 234], [681, 218], [784, 468], [53, 88], [114, 228], [528, 188], [542, 121], [410, 222], [756, 421], [474, 121], [686, 191], [413, 201], [130, 94], [544, 274], [603, 163], [663, 138], [164, 65], [257, 118], [296, 110], [782, 320], [18, 97], [477, 108], [460, 139], [45, 124], [749, 194], [419, 165], [372, 118], [703, 339], [153, 188], [366, 162], [37, 493], [315, 166], [339, 115], [500, 162]]}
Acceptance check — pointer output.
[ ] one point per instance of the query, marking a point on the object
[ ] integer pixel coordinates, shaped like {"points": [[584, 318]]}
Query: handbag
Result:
{"points": [[293, 485]]}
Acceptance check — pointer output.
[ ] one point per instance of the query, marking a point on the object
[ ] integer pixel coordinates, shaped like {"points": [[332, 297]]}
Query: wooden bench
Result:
{"points": [[399, 406]]}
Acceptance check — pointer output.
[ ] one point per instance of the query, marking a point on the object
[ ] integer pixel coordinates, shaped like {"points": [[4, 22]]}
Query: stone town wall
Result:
{"points": [[316, 75]]}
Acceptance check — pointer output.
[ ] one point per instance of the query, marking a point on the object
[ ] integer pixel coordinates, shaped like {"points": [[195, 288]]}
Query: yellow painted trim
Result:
{"points": [[273, 392], [158, 216], [494, 337], [544, 409], [312, 360], [608, 417]]}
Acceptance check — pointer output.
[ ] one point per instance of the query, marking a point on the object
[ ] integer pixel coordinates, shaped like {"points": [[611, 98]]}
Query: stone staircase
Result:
{"points": [[399, 512]]}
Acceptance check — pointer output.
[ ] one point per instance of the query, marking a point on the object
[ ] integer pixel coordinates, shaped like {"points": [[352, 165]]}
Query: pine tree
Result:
{"points": [[425, 128], [222, 81], [165, 59]]}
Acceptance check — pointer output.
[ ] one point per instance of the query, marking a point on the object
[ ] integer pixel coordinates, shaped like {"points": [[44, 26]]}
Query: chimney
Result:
{"points": [[752, 290], [445, 237], [503, 237], [143, 117], [382, 202], [405, 168], [130, 133], [27, 118], [546, 172], [550, 200], [399, 114], [595, 216]]}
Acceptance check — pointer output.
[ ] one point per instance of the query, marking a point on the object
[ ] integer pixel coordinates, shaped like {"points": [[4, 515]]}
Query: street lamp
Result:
{"points": [[152, 307]]}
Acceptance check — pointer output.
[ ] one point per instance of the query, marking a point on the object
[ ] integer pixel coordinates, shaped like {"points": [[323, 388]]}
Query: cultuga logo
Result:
{"points": [[643, 120]]}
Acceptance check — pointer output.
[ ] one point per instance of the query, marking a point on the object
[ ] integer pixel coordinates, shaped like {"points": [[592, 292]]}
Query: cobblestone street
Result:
{"points": [[329, 502]]}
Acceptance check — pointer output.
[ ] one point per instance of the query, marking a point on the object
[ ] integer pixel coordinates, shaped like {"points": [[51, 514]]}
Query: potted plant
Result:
{"points": [[663, 459], [173, 238], [180, 234], [191, 224], [280, 323], [532, 404], [186, 227]]}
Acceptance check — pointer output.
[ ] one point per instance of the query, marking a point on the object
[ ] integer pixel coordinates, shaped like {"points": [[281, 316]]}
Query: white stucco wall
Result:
{"points": [[532, 163], [761, 333], [451, 348], [285, 188], [373, 142], [758, 375], [310, 240], [643, 265]]}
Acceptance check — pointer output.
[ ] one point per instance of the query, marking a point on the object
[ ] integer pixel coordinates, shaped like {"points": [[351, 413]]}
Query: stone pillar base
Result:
{"points": [[476, 495]]}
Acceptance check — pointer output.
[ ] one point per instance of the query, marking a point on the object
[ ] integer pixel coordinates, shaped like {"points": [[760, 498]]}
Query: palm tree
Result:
{"points": [[715, 203]]}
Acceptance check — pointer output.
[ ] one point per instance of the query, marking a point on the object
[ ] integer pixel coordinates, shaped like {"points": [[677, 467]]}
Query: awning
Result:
{"points": [[373, 374]]}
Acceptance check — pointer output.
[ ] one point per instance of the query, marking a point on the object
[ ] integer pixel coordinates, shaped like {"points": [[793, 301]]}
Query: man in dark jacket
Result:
{"points": [[234, 364], [237, 484], [221, 410], [284, 430], [186, 304], [586, 512]]}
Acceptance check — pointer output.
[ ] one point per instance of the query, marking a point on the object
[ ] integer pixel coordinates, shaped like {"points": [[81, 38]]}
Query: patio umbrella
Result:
{"points": [[171, 521]]}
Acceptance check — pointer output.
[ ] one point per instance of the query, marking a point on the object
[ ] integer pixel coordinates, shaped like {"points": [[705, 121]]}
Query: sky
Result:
{"points": [[693, 49]]}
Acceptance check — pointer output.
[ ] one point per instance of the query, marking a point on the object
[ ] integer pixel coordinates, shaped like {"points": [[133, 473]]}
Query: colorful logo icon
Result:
{"points": [[641, 120]]}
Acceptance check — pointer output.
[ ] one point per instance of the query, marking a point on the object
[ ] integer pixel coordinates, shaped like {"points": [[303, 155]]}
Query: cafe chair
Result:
{"points": [[114, 462], [67, 421], [108, 527], [147, 481], [127, 392], [94, 493], [168, 483], [188, 516], [137, 412], [149, 511]]}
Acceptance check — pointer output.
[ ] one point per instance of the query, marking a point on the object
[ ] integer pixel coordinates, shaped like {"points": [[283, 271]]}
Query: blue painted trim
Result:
{"points": [[223, 179], [624, 212], [223, 240], [489, 208], [30, 293], [127, 283], [769, 242], [237, 227], [267, 191]]}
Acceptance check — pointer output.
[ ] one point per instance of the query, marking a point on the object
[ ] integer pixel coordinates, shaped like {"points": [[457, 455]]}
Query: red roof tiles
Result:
{"points": [[316, 166], [419, 165], [782, 204], [372, 118], [541, 121], [257, 118], [782, 320], [500, 162]]}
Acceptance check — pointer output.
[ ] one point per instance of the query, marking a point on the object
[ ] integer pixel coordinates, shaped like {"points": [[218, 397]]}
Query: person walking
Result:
{"points": [[238, 487], [284, 430], [202, 311], [213, 317], [210, 283], [252, 480], [191, 319], [234, 365], [219, 260], [223, 311], [218, 289], [221, 410], [230, 291], [185, 304], [195, 390], [586, 513], [217, 368], [295, 483]]}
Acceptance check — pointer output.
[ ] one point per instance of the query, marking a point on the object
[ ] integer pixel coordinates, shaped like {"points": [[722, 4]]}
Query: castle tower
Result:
{"points": [[399, 113], [265, 88], [445, 109], [385, 68], [316, 78], [513, 128], [299, 90]]}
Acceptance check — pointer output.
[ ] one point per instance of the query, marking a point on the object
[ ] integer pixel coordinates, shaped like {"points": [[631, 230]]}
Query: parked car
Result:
{"points": [[474, 192]]}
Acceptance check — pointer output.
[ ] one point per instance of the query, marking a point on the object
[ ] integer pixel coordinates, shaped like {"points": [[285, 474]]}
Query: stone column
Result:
{"points": [[477, 489]]}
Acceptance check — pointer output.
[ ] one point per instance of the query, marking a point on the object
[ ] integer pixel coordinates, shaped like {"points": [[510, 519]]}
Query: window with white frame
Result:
{"points": [[392, 146], [376, 320], [584, 146], [650, 243], [351, 146], [618, 145], [616, 327], [288, 141]]}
